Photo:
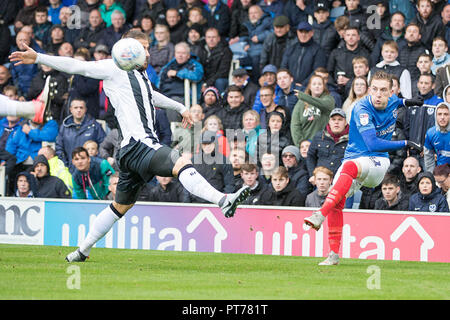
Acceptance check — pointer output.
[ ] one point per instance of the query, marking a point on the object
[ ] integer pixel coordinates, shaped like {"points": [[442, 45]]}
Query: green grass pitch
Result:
{"points": [[40, 272]]}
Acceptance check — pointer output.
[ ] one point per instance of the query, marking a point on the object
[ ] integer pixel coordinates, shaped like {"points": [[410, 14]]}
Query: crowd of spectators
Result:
{"points": [[276, 83]]}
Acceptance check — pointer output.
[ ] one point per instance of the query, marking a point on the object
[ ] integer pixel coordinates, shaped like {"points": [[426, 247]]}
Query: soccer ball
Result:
{"points": [[128, 54]]}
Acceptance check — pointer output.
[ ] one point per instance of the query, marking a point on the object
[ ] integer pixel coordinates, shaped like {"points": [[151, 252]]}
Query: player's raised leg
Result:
{"points": [[34, 110]]}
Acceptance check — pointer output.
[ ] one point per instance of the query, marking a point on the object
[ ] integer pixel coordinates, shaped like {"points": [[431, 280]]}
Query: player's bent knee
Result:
{"points": [[121, 208], [351, 168], [180, 165]]}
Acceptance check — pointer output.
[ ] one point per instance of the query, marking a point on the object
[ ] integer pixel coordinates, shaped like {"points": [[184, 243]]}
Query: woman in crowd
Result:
{"points": [[357, 92], [429, 198]]}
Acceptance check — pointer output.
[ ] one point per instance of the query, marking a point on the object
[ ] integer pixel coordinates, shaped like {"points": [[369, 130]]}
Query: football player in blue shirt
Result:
{"points": [[366, 158]]}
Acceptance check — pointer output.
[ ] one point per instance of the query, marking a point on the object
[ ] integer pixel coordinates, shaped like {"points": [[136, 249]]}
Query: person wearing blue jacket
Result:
{"points": [[429, 198], [26, 142], [75, 130]]}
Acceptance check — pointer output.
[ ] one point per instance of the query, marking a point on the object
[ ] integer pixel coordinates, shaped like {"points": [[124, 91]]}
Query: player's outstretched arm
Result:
{"points": [[91, 69], [375, 144]]}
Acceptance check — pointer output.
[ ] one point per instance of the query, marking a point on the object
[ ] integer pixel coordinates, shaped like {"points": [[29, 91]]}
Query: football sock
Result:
{"points": [[102, 224], [14, 108], [340, 188], [335, 223], [198, 186]]}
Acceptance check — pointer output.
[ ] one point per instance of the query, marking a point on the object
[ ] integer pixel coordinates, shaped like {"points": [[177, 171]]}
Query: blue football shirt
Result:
{"points": [[364, 117]]}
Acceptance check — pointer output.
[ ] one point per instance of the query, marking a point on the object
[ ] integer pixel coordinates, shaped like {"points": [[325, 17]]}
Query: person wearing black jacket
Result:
{"points": [[429, 198], [359, 19], [168, 190], [218, 16], [409, 54], [177, 27], [48, 186], [232, 112], [392, 198], [283, 191], [258, 189], [290, 156], [325, 33], [26, 185], [429, 22], [238, 17], [91, 34]]}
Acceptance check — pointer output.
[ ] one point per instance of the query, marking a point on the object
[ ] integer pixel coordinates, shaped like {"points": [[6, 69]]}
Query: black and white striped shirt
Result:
{"points": [[130, 93]]}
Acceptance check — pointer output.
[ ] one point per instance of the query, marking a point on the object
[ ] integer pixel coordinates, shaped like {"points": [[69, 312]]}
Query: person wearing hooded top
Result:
{"points": [[429, 198], [48, 186], [437, 139], [26, 185], [211, 102], [283, 191]]}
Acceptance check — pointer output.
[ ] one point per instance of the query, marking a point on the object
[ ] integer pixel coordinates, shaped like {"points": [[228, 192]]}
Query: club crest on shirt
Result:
{"points": [[364, 119], [432, 207], [395, 113]]}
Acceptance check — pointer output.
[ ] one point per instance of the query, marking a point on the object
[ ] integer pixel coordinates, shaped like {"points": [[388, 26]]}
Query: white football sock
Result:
{"points": [[198, 186], [14, 108], [102, 224]]}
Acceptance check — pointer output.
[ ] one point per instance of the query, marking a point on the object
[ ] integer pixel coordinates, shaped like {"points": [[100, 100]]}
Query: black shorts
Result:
{"points": [[138, 164]]}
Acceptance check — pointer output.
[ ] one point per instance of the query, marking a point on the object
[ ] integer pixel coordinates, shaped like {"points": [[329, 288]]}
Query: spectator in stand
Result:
{"points": [[437, 139], [23, 74], [394, 32], [231, 113], [429, 197], [70, 26], [41, 25], [186, 5], [91, 175], [91, 147], [213, 166], [392, 198], [25, 16], [445, 14], [340, 63], [164, 50], [109, 148], [259, 26], [441, 174], [195, 16], [172, 75], [91, 34], [57, 167], [168, 190], [113, 33], [267, 98], [269, 78], [269, 163], [147, 25], [5, 78], [107, 9], [357, 92], [383, 20], [258, 190], [297, 11], [177, 28], [195, 39], [216, 58], [328, 146], [288, 92], [65, 50], [276, 43], [53, 11], [87, 88], [56, 39], [112, 188], [153, 8], [304, 148], [420, 119], [214, 124], [75, 130], [429, 22], [211, 102], [312, 111], [293, 162], [424, 63], [48, 186], [218, 16], [25, 143], [274, 8], [305, 56], [442, 82], [283, 190], [410, 172], [331, 85], [410, 53], [441, 58], [237, 158], [241, 79], [26, 185], [323, 177], [238, 16], [359, 18], [389, 64], [325, 34], [341, 24]]}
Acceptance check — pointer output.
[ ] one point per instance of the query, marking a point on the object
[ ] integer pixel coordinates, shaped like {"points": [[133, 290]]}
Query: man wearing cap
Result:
{"points": [[296, 167], [213, 165], [328, 146], [268, 78], [276, 43], [91, 34], [305, 56], [325, 33], [249, 88]]}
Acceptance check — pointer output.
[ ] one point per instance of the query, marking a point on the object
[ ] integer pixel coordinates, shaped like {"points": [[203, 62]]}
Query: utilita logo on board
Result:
{"points": [[21, 222]]}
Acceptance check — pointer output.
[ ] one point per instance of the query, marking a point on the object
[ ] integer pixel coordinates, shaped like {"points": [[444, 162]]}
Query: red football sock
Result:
{"points": [[340, 189], [335, 223]]}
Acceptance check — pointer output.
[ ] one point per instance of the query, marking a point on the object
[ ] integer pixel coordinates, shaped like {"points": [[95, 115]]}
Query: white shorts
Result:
{"points": [[373, 170]]}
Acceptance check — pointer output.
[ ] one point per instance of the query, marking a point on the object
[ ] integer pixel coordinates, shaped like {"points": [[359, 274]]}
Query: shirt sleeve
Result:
{"points": [[164, 102], [101, 70], [363, 118]]}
